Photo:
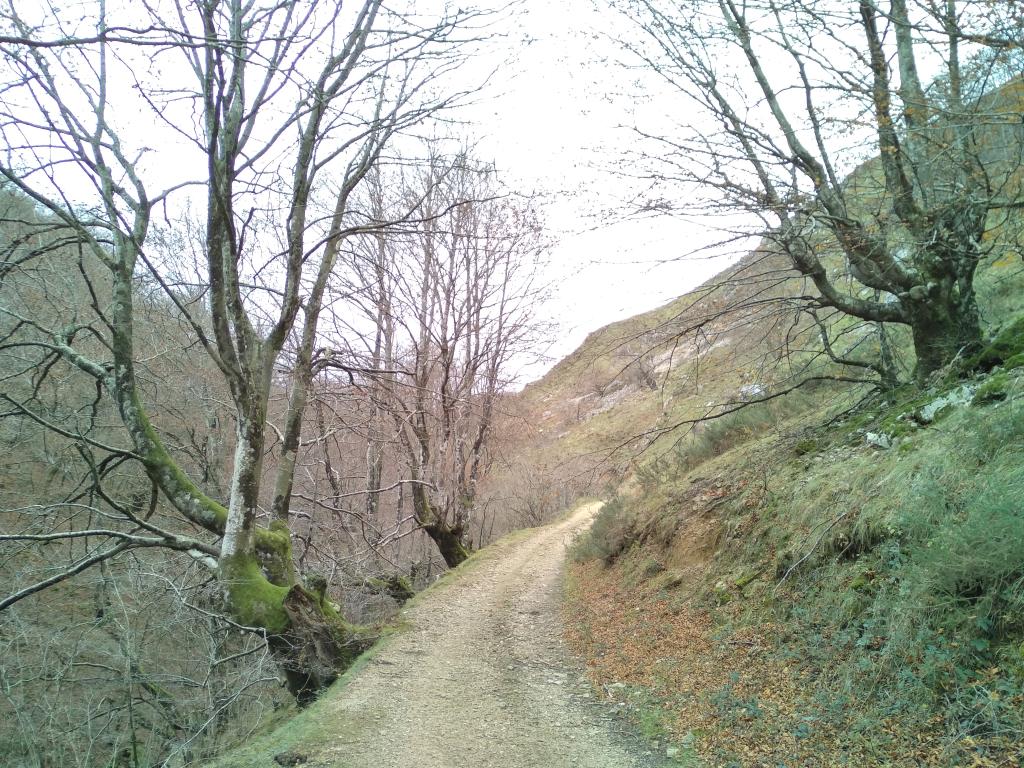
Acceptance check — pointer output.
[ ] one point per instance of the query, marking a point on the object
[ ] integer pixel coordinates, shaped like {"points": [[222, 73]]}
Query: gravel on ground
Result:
{"points": [[479, 676]]}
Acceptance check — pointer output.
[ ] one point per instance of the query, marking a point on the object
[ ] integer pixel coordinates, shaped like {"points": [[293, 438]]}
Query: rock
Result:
{"points": [[672, 751], [878, 439], [995, 388], [751, 391], [290, 758], [614, 688], [960, 396]]}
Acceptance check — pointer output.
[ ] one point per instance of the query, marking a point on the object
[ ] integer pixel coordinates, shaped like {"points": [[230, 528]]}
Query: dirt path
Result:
{"points": [[480, 678]]}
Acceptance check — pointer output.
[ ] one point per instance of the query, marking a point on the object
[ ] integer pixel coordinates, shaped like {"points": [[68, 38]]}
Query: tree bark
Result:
{"points": [[449, 541], [943, 330], [314, 647], [448, 538]]}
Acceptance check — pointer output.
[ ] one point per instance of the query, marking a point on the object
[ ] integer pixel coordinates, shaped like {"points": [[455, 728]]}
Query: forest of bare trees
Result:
{"points": [[263, 306], [253, 348]]}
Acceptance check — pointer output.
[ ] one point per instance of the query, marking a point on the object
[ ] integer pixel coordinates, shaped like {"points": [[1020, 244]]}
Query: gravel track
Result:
{"points": [[480, 677]]}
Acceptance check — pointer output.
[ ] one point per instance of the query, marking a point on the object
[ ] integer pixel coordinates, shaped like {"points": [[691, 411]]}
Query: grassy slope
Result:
{"points": [[635, 377], [813, 600], [809, 598]]}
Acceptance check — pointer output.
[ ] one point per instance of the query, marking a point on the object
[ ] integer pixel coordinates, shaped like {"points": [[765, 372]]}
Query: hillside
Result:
{"points": [[801, 563], [830, 577], [267, 273]]}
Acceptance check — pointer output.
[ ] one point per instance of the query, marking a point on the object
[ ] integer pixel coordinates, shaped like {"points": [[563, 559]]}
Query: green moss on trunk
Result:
{"points": [[179, 489], [942, 331], [395, 586], [448, 538], [1007, 345], [449, 543], [252, 599], [274, 548], [308, 638], [318, 645]]}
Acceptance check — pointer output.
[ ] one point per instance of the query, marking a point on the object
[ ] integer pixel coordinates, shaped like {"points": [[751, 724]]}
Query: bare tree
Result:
{"points": [[783, 92], [449, 299], [272, 114]]}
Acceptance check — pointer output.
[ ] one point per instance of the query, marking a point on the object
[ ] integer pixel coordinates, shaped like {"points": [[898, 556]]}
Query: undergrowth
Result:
{"points": [[895, 578], [914, 602], [717, 436], [609, 535]]}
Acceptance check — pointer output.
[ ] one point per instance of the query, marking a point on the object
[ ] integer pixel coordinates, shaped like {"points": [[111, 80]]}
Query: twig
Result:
{"points": [[794, 566]]}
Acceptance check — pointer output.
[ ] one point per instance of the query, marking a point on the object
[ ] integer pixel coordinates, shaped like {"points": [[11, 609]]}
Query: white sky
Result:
{"points": [[561, 116], [555, 121]]}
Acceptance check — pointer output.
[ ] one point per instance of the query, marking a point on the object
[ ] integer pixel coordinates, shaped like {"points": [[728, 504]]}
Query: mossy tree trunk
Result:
{"points": [[306, 635], [244, 338], [944, 329], [261, 588], [450, 542], [449, 537]]}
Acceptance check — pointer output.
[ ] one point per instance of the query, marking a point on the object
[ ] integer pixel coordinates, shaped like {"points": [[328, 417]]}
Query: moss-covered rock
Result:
{"points": [[649, 567], [722, 594], [941, 405], [1007, 345], [992, 390], [747, 578], [864, 582], [668, 580], [396, 586], [806, 446]]}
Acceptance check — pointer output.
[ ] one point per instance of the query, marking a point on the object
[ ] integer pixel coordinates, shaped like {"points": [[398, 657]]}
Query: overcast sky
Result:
{"points": [[560, 119], [557, 120]]}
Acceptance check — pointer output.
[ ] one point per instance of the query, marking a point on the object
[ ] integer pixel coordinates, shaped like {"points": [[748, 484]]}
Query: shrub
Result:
{"points": [[1006, 345], [610, 535], [934, 616], [715, 436], [994, 389]]}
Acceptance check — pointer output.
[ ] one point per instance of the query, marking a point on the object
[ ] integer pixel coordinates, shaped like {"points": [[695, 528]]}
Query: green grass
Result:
{"points": [[898, 575], [313, 726], [608, 536]]}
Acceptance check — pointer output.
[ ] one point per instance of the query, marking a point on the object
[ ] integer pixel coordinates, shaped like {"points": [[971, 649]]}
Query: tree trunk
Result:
{"points": [[306, 635], [315, 648], [945, 325], [243, 497], [449, 543], [448, 538]]}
